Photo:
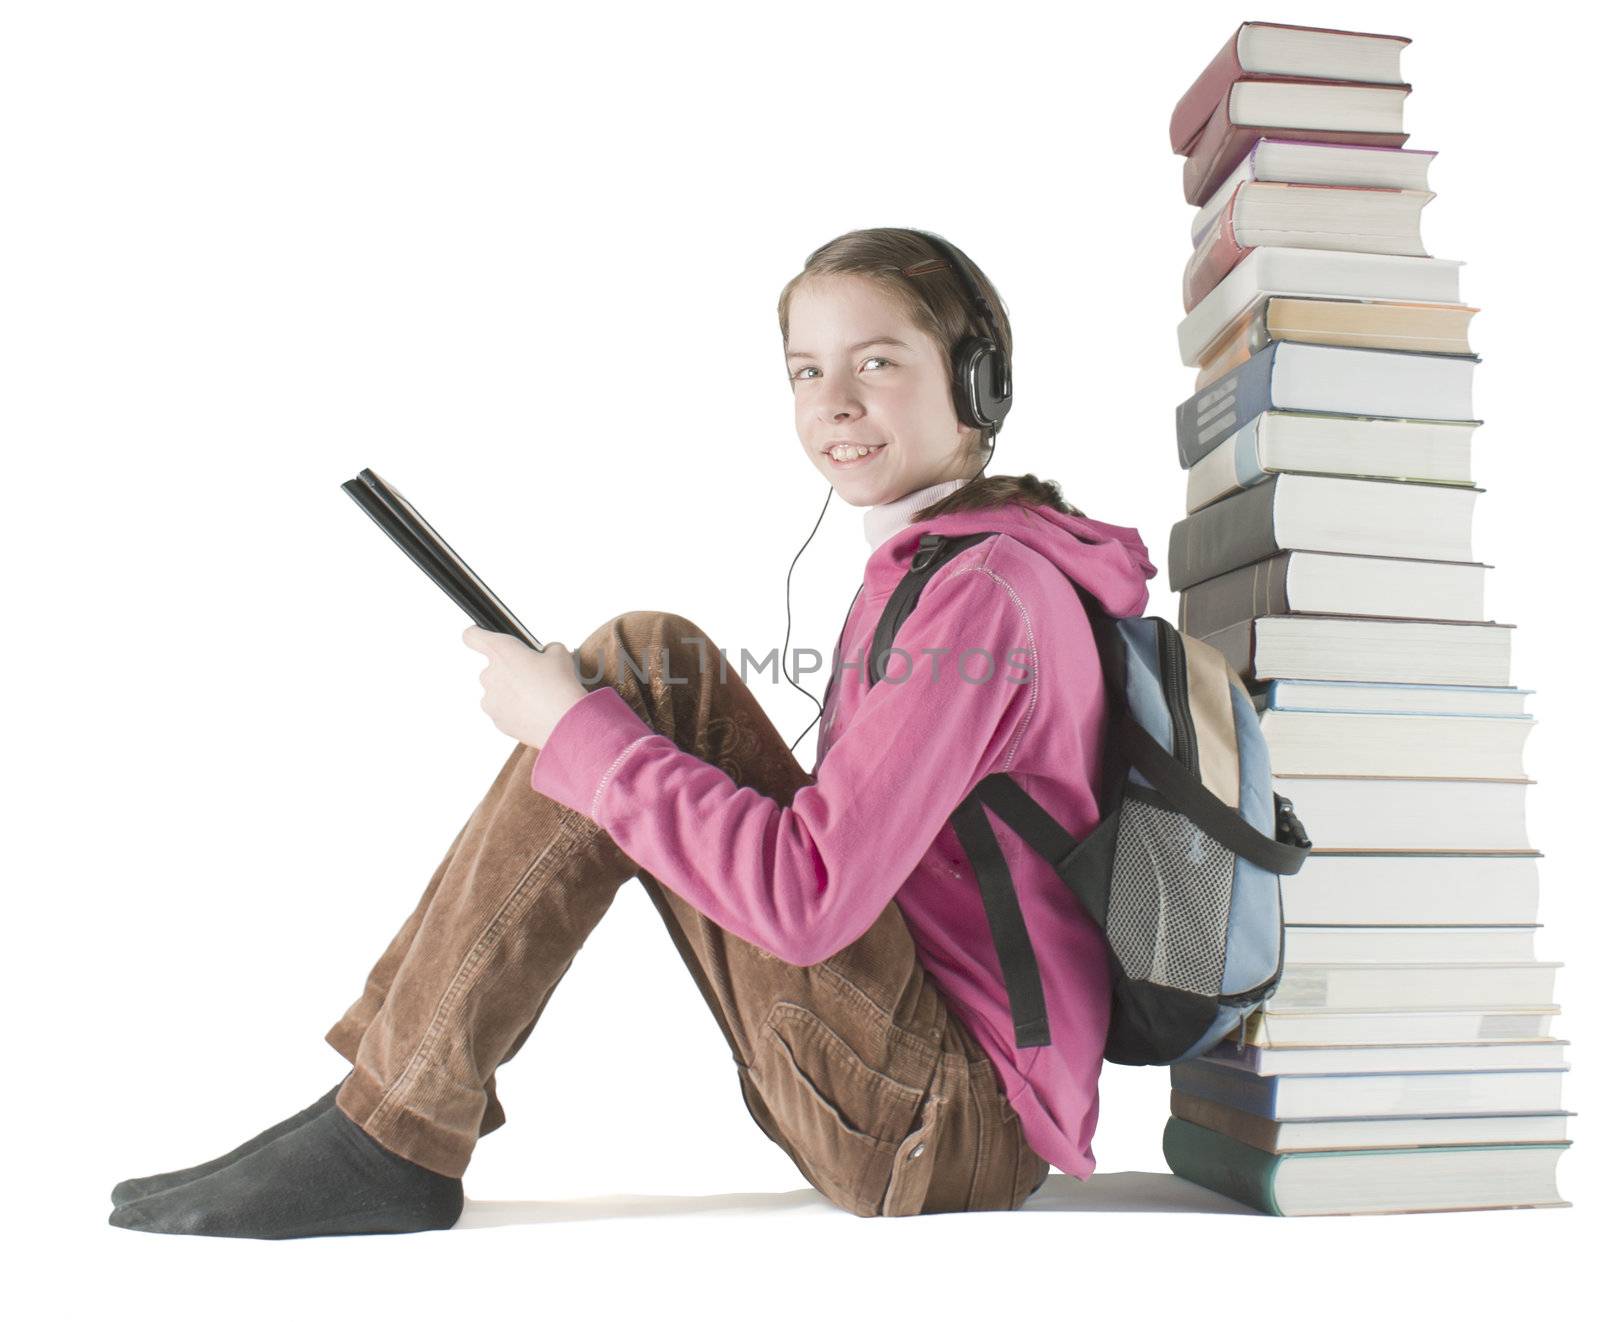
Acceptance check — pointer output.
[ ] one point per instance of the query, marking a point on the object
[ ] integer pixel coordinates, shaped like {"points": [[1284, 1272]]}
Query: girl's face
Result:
{"points": [[864, 375]]}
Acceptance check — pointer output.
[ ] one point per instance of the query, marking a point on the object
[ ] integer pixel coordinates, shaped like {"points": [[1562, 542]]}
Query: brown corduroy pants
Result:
{"points": [[855, 1066]]}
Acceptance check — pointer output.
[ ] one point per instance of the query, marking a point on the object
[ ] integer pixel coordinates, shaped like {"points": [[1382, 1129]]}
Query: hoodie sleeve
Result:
{"points": [[803, 882]]}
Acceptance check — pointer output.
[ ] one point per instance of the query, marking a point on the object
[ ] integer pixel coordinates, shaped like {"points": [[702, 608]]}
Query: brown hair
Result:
{"points": [[984, 493], [918, 278]]}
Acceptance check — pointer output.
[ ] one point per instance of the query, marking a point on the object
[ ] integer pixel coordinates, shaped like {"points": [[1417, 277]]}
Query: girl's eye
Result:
{"points": [[799, 377]]}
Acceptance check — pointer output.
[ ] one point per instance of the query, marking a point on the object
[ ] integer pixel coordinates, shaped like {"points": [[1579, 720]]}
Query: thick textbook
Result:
{"points": [[1317, 512], [1319, 1096], [1292, 50], [1433, 699], [1371, 114], [1319, 743], [1358, 323], [1281, 441], [1419, 1057], [1304, 216], [1369, 1131], [1416, 986], [1365, 1181], [1314, 273], [1400, 814], [1364, 1028], [1326, 378], [1285, 161], [1385, 651], [1334, 583], [1402, 943], [1424, 889]]}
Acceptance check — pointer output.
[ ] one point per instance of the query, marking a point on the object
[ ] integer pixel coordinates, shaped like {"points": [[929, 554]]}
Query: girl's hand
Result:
{"points": [[525, 691]]}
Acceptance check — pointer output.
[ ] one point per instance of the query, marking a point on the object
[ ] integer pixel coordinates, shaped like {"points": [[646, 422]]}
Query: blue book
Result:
{"points": [[1347, 695], [1315, 1096], [1326, 378]]}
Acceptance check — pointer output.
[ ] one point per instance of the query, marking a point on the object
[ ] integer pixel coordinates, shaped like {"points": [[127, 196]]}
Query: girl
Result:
{"points": [[830, 918]]}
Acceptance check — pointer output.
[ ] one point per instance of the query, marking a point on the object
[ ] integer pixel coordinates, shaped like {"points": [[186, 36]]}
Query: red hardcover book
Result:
{"points": [[1222, 144], [1195, 107]]}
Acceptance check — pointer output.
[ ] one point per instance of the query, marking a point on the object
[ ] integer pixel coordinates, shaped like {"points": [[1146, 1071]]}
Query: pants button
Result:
{"points": [[917, 1151]]}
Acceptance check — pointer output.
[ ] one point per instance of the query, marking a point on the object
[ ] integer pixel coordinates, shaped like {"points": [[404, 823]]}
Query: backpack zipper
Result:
{"points": [[1175, 683]]}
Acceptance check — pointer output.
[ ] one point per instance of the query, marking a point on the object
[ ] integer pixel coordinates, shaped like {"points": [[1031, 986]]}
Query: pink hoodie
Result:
{"points": [[894, 760]]}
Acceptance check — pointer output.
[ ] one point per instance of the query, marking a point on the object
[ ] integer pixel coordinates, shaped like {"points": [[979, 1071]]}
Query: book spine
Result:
{"points": [[1239, 595], [1223, 144], [1242, 173], [1216, 1162], [1255, 1093], [1217, 253], [1236, 531], [1237, 645], [1208, 417], [1253, 1130], [1195, 106]]}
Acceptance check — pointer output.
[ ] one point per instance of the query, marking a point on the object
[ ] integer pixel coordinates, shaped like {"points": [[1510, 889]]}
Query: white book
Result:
{"points": [[1415, 986], [1421, 699], [1361, 944], [1306, 1096], [1381, 744], [1280, 1026], [1281, 161], [1314, 273], [1398, 814], [1398, 889], [1340, 445], [1418, 1058], [1367, 648], [1370, 1131]]}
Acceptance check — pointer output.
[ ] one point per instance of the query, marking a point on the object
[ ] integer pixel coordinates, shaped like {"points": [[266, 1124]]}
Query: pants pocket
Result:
{"points": [[842, 1121]]}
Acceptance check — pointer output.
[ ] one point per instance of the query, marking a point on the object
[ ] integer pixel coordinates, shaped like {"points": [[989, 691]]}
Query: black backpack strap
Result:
{"points": [[1018, 964], [933, 550]]}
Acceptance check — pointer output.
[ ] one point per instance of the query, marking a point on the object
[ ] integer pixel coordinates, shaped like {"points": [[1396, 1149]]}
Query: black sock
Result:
{"points": [[128, 1190], [326, 1177]]}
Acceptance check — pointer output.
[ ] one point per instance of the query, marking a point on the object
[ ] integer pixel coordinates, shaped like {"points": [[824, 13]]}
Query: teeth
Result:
{"points": [[850, 451]]}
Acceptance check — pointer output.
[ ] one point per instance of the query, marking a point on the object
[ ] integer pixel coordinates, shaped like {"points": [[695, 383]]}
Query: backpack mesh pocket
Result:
{"points": [[1168, 901]]}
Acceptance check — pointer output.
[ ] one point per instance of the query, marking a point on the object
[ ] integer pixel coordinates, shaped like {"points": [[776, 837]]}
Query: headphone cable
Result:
{"points": [[789, 620]]}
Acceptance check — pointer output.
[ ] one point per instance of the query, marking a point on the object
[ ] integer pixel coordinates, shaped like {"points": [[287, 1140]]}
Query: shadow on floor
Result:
{"points": [[1117, 1191]]}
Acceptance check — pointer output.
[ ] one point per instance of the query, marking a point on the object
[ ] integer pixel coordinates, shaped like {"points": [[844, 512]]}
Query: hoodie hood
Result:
{"points": [[1109, 561]]}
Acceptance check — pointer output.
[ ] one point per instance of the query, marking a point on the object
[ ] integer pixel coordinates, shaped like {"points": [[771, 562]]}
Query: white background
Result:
{"points": [[526, 265]]}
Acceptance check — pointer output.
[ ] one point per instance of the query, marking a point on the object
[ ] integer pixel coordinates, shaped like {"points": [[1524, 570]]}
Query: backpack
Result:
{"points": [[1183, 883]]}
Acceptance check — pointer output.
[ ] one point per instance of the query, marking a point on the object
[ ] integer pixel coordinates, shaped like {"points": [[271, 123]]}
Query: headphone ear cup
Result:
{"points": [[963, 380], [981, 401]]}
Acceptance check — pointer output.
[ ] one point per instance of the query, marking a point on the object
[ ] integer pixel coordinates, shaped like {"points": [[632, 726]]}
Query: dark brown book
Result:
{"points": [[1329, 583], [1316, 512], [1367, 649]]}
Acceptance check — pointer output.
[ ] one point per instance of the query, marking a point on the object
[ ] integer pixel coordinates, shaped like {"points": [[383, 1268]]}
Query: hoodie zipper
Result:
{"points": [[1175, 684]]}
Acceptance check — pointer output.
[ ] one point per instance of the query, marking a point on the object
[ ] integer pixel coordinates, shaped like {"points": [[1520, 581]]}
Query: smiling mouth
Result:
{"points": [[851, 455]]}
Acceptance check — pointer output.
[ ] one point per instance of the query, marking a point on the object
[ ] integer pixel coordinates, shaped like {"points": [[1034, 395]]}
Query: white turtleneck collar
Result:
{"points": [[881, 522]]}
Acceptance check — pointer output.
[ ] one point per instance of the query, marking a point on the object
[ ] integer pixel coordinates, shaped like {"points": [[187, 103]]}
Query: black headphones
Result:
{"points": [[980, 371], [980, 378]]}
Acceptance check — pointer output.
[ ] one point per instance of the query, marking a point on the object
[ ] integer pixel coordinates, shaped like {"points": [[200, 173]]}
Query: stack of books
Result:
{"points": [[1406, 1061]]}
